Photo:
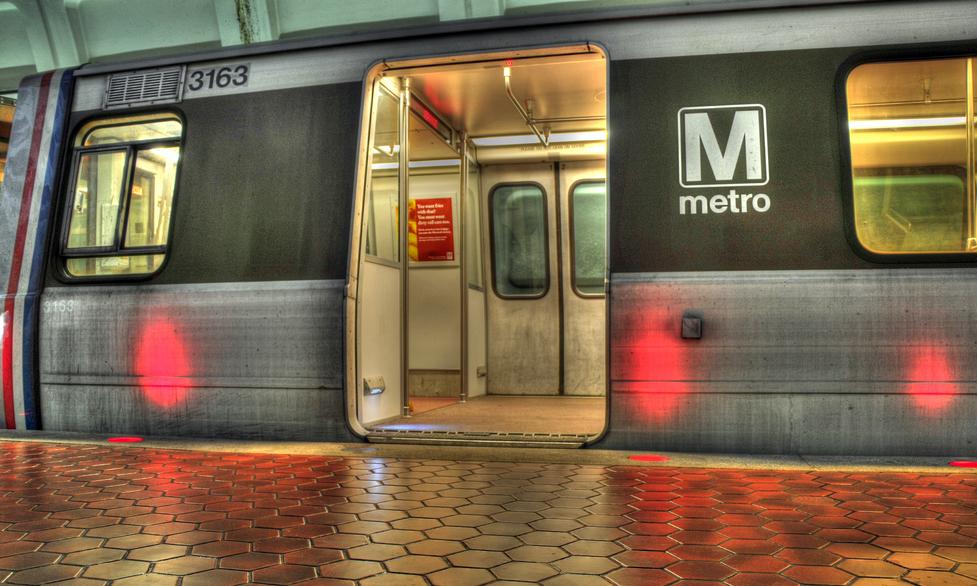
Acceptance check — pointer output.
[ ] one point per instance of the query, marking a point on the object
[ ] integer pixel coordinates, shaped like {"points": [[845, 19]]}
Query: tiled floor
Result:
{"points": [[132, 516]]}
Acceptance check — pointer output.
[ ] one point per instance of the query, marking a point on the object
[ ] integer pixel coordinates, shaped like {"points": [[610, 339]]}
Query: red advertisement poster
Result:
{"points": [[430, 232]]}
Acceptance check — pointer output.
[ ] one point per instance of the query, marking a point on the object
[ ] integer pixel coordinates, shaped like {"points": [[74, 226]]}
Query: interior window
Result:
{"points": [[913, 188], [588, 208], [122, 196], [519, 240], [382, 213]]}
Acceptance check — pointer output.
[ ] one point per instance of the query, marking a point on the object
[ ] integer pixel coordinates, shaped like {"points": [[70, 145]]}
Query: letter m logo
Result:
{"points": [[702, 133]]}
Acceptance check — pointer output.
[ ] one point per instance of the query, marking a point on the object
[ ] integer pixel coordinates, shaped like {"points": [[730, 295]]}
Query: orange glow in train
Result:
{"points": [[161, 363], [931, 379], [653, 366]]}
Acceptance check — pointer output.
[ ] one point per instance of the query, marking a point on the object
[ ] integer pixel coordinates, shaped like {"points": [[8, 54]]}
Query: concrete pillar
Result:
{"points": [[242, 22], [464, 9]]}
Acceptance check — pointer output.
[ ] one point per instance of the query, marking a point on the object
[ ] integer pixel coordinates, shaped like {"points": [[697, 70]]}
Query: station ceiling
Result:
{"points": [[39, 35]]}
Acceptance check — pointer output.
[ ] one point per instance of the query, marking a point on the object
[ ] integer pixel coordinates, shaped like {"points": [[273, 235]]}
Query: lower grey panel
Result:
{"points": [[236, 360], [235, 413], [813, 424], [870, 362]]}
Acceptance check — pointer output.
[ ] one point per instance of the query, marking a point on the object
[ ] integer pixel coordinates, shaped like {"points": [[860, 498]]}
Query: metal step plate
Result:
{"points": [[479, 438]]}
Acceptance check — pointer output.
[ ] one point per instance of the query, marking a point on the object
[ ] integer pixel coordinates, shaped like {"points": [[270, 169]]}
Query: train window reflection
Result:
{"points": [[118, 217], [588, 217], [911, 152], [382, 213], [519, 263]]}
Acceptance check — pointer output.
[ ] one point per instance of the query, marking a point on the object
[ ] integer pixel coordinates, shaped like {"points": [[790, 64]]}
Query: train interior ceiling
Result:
{"points": [[505, 190]]}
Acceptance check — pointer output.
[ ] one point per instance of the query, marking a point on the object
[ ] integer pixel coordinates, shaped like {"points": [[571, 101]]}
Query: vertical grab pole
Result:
{"points": [[463, 276], [403, 204], [971, 180]]}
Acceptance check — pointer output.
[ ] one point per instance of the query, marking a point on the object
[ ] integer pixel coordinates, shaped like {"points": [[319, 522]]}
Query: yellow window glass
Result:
{"points": [[912, 155], [151, 197], [114, 265], [124, 182], [6, 122], [382, 214], [123, 133], [98, 190]]}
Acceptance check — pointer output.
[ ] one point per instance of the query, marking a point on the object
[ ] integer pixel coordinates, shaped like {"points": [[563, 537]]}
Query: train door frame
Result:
{"points": [[354, 340]]}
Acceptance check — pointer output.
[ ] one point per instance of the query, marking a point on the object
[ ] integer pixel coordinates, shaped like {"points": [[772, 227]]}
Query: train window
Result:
{"points": [[382, 215], [6, 123], [118, 217], [519, 263], [911, 153], [588, 221]]}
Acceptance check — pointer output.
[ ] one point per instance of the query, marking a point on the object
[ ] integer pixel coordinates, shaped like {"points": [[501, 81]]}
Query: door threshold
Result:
{"points": [[478, 438]]}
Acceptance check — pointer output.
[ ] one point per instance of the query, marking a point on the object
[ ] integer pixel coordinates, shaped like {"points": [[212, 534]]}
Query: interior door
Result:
{"points": [[583, 216], [524, 303]]}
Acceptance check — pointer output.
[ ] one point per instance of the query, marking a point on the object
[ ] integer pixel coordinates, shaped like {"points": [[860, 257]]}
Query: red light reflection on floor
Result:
{"points": [[161, 363], [964, 463], [648, 458], [653, 365], [931, 379], [125, 440]]}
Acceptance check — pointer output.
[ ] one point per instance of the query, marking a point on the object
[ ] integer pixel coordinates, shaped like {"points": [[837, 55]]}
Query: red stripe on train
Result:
{"points": [[17, 258]]}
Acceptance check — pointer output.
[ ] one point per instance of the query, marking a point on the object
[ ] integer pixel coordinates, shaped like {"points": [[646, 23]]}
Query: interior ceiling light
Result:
{"points": [[523, 139], [418, 164], [906, 123]]}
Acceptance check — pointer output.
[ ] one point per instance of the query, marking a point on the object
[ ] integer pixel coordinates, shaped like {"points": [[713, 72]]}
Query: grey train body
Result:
{"points": [[802, 334]]}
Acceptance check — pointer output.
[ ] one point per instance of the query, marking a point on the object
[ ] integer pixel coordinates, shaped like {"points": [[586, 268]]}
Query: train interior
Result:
{"points": [[500, 320]]}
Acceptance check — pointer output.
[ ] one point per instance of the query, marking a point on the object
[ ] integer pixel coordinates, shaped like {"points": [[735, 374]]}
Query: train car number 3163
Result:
{"points": [[218, 77]]}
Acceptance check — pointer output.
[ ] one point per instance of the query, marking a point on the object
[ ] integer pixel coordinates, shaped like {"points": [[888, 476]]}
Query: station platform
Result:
{"points": [[79, 510]]}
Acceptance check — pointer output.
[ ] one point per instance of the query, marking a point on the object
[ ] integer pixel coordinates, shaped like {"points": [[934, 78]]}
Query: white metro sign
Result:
{"points": [[741, 163]]}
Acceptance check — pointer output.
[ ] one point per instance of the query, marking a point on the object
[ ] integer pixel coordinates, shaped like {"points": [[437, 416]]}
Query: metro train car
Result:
{"points": [[662, 228]]}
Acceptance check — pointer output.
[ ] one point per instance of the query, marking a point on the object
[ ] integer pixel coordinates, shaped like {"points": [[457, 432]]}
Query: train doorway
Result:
{"points": [[480, 312]]}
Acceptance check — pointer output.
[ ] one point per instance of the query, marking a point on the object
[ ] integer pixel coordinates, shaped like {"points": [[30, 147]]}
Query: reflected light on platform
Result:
{"points": [[161, 363], [964, 463], [648, 458], [124, 440], [931, 379], [656, 365]]}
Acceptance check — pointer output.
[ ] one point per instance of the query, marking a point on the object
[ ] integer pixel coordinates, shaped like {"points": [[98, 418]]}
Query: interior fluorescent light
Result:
{"points": [[906, 123], [419, 164], [435, 163], [170, 154], [556, 137]]}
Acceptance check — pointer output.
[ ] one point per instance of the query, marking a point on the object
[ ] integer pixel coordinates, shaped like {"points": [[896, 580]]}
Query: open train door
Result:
{"points": [[479, 297]]}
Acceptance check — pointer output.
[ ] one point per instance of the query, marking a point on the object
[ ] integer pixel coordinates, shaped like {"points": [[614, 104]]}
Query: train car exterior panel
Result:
{"points": [[659, 225], [810, 362], [264, 187], [239, 360]]}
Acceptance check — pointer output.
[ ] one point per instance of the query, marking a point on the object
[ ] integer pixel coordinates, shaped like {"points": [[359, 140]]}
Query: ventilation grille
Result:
{"points": [[155, 86]]}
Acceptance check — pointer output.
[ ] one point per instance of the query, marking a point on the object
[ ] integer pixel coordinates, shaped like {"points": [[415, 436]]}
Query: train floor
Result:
{"points": [[98, 514], [504, 414]]}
